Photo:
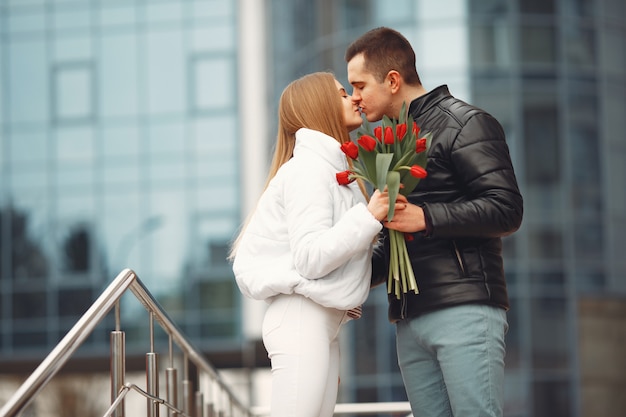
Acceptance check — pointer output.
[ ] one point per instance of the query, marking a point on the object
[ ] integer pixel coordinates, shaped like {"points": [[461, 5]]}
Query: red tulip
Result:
{"points": [[350, 149], [343, 177], [389, 139], [401, 130], [418, 172], [420, 145], [416, 129], [409, 237], [378, 132], [367, 142]]}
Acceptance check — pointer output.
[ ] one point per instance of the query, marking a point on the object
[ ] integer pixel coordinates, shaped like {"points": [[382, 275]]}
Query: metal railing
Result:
{"points": [[211, 397]]}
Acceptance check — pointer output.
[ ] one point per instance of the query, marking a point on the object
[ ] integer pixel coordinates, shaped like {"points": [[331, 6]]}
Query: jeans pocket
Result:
{"points": [[275, 314]]}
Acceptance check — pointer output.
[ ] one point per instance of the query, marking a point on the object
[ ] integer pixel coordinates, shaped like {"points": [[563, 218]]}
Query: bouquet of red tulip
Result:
{"points": [[390, 156]]}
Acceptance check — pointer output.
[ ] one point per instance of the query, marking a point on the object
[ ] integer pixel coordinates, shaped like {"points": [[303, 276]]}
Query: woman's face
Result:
{"points": [[351, 114]]}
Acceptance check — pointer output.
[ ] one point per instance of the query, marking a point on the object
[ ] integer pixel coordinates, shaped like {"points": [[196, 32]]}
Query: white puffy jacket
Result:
{"points": [[308, 234]]}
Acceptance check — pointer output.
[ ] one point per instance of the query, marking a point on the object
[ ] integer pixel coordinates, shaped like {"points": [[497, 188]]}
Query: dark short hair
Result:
{"points": [[385, 49]]}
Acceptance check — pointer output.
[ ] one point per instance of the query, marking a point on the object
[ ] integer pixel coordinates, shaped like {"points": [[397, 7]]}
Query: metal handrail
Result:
{"points": [[125, 280], [110, 298]]}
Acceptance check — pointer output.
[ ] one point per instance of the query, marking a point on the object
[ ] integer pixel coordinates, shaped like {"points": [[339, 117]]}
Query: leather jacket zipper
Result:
{"points": [[458, 257]]}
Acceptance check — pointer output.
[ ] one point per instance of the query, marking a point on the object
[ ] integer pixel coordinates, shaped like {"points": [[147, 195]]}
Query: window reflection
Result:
{"points": [[538, 45], [552, 398], [537, 6], [541, 140], [73, 92], [549, 332]]}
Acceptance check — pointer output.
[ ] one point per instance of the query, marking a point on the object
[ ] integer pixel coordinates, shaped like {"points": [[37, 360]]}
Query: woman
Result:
{"points": [[307, 247]]}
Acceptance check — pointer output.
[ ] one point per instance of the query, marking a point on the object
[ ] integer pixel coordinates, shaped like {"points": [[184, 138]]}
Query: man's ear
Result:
{"points": [[393, 80]]}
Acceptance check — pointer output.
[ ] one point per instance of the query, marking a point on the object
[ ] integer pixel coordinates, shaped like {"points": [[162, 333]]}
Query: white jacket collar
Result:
{"points": [[327, 147]]}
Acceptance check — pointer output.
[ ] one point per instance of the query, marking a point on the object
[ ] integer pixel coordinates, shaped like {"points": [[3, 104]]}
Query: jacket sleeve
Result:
{"points": [[490, 203], [319, 242]]}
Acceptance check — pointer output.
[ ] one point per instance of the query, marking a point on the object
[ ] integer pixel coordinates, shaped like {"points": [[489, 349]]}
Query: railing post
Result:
{"points": [[199, 404], [171, 380], [118, 362], [152, 373], [187, 389]]}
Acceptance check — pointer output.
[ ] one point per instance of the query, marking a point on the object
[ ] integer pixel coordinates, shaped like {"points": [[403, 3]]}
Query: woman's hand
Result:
{"points": [[379, 204]]}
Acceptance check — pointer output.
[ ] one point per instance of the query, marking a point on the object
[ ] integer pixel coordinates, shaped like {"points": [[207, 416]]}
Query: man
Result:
{"points": [[450, 336]]}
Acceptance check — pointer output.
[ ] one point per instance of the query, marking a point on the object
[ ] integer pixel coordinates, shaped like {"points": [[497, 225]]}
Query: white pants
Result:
{"points": [[301, 338]]}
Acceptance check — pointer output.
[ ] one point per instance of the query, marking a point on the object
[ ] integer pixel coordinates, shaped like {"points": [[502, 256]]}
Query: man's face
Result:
{"points": [[372, 97]]}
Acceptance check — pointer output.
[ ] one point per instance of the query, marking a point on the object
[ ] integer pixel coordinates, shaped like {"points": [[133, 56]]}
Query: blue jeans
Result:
{"points": [[452, 361]]}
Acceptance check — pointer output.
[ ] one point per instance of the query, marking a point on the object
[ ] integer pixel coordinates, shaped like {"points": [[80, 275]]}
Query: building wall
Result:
{"points": [[601, 337]]}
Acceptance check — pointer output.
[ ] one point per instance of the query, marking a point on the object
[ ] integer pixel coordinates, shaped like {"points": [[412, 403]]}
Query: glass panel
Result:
{"points": [[74, 302], [120, 141], [489, 6], [71, 48], [214, 136], [611, 54], [29, 339], [551, 399], [538, 45], [122, 228], [355, 12], [218, 10], [75, 249], [76, 17], [584, 135], [365, 342], [541, 140], [29, 263], [589, 241], [28, 146], [614, 8], [491, 45], [580, 46], [166, 75], [118, 75], [21, 3], [164, 12], [516, 396], [545, 241], [119, 16], [73, 92], [213, 83], [75, 145], [547, 278], [589, 279], [509, 247], [167, 139], [217, 37], [31, 21], [30, 304], [550, 338], [28, 90], [579, 8], [537, 6], [617, 183]]}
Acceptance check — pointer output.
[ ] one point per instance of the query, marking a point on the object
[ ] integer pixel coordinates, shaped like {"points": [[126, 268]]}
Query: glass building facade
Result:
{"points": [[121, 142], [118, 148]]}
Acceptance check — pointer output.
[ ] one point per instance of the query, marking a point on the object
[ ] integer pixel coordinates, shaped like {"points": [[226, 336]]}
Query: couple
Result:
{"points": [[311, 247]]}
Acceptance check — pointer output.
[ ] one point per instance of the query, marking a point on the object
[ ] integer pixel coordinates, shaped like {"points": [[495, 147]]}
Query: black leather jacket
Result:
{"points": [[470, 200]]}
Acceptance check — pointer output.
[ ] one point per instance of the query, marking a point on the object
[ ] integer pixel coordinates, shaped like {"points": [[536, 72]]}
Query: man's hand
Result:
{"points": [[409, 219]]}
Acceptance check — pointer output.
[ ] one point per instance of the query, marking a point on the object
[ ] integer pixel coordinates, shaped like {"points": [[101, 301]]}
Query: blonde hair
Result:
{"points": [[311, 102]]}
